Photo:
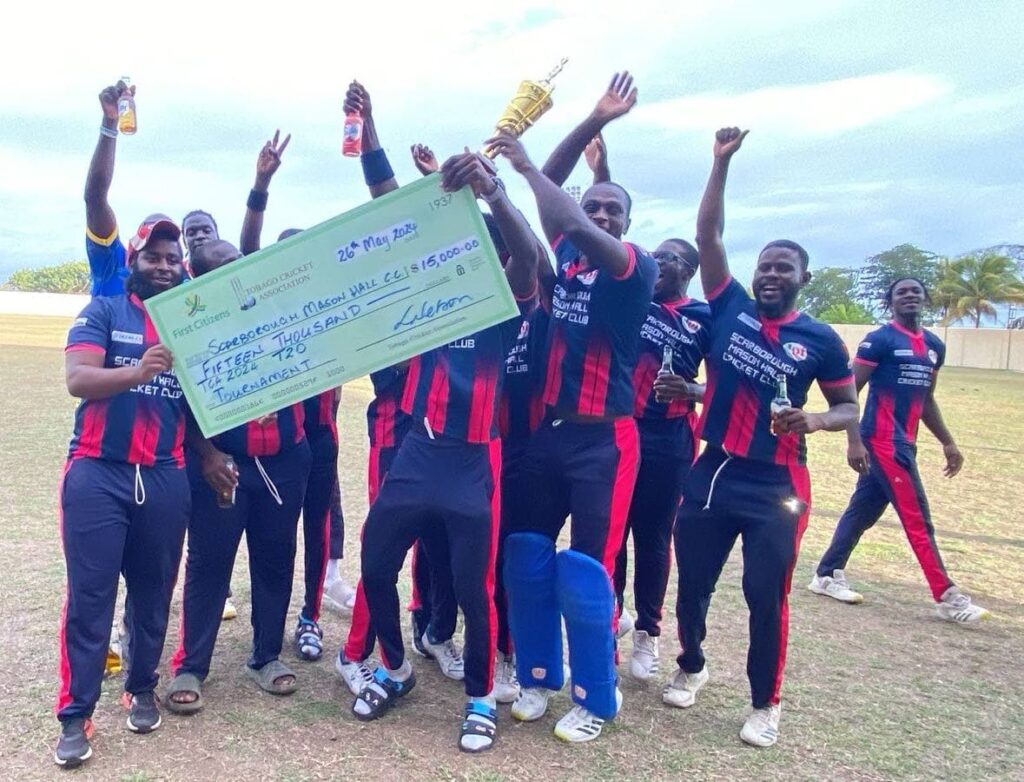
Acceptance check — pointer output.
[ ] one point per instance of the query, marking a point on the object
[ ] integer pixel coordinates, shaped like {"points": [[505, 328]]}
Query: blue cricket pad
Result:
{"points": [[533, 616], [587, 603]]}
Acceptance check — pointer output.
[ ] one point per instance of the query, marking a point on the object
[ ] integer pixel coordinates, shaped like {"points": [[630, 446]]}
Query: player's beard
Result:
{"points": [[776, 309], [141, 286]]}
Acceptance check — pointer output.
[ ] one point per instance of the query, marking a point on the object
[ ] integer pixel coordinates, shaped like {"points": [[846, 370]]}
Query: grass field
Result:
{"points": [[878, 691]]}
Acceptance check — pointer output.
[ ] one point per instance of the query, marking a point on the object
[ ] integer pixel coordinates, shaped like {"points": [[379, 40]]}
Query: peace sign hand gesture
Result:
{"points": [[269, 160]]}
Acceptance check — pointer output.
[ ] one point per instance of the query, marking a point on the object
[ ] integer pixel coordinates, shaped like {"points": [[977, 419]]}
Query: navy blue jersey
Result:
{"points": [[748, 354], [275, 434], [683, 324], [144, 425], [522, 401], [385, 420], [595, 331], [905, 365]]}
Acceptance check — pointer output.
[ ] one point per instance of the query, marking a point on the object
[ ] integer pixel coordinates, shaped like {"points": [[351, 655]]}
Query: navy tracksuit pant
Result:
{"points": [[767, 505], [213, 537], [667, 449], [323, 530], [513, 459], [434, 486], [115, 519], [893, 479]]}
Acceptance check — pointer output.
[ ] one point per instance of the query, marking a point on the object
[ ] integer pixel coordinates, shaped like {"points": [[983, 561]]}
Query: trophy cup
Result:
{"points": [[532, 99]]}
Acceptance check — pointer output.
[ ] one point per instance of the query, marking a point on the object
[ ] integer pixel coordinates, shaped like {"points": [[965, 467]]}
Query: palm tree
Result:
{"points": [[971, 287]]}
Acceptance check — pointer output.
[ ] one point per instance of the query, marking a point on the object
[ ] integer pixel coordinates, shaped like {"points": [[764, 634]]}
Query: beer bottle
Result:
{"points": [[226, 499], [126, 119], [352, 145], [781, 401], [666, 367]]}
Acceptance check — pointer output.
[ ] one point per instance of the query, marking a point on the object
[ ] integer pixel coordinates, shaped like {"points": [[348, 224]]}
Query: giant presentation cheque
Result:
{"points": [[362, 291]]}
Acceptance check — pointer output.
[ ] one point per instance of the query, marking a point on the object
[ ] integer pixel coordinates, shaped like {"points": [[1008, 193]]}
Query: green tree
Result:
{"points": [[880, 271], [829, 287], [847, 312], [70, 277], [973, 285]]}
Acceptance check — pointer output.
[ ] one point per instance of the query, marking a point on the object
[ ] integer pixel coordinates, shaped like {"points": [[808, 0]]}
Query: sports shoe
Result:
{"points": [[230, 612], [447, 656], [836, 587], [762, 727], [143, 712], [682, 691], [626, 623], [308, 640], [506, 684], [644, 662], [73, 747], [339, 597], [957, 607], [531, 704], [355, 675], [580, 725]]}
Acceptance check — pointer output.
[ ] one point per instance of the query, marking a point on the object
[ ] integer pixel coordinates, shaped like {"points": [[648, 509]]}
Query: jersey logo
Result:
{"points": [[80, 322], [933, 356], [865, 345], [588, 278], [126, 336], [691, 325], [754, 323], [795, 351], [903, 352], [466, 342], [524, 330]]}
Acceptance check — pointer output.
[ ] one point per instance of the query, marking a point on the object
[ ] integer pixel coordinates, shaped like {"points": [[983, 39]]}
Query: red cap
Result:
{"points": [[152, 225]]}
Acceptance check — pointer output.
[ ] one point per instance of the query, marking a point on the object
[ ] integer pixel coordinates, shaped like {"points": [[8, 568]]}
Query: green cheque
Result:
{"points": [[375, 286]]}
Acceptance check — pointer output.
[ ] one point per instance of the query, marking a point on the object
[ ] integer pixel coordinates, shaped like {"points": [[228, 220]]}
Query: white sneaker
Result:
{"points": [[531, 704], [836, 587], [506, 685], [229, 612], [957, 607], [356, 676], [644, 662], [339, 597], [447, 656], [762, 727], [626, 623], [580, 725], [682, 691]]}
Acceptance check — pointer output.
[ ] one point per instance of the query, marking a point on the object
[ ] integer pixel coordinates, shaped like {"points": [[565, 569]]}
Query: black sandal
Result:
{"points": [[381, 694], [481, 721], [309, 644]]}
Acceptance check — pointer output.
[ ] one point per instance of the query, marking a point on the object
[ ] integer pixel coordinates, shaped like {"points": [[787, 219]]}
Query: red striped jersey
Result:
{"points": [[595, 332], [683, 325], [386, 423], [455, 388], [144, 425], [522, 401], [748, 353], [274, 435], [321, 411], [905, 364]]}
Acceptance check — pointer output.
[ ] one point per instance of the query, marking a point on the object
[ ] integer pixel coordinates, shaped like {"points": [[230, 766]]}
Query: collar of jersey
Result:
{"points": [[676, 303], [787, 318], [904, 330], [134, 299]]}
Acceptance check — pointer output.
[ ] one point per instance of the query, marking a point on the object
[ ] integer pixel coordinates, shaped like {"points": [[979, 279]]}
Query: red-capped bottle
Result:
{"points": [[352, 146]]}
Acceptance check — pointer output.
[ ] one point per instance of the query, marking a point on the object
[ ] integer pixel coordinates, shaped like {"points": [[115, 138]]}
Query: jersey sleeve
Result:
{"points": [[107, 267], [936, 344], [871, 349], [642, 271], [727, 297], [91, 329], [834, 369]]}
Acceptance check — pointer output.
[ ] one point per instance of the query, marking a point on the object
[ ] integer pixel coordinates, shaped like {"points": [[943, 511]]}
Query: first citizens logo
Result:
{"points": [[195, 305]]}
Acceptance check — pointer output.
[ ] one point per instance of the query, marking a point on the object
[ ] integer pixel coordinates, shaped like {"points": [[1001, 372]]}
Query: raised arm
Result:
{"points": [[476, 171], [99, 217], [424, 159], [267, 163], [596, 155], [380, 179], [714, 268], [560, 215], [617, 100], [932, 418]]}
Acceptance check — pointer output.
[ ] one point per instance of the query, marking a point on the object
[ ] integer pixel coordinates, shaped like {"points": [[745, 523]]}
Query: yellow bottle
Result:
{"points": [[114, 664], [126, 120]]}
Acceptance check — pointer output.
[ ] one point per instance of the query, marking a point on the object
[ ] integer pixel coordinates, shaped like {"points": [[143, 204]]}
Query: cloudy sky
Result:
{"points": [[872, 123]]}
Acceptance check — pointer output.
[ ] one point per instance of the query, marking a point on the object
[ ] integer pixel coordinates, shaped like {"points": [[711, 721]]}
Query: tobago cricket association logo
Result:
{"points": [[244, 302], [194, 304], [795, 351]]}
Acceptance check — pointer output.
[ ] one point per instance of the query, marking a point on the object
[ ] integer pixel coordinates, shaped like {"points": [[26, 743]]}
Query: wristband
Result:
{"points": [[257, 201], [497, 194], [376, 168], [108, 132]]}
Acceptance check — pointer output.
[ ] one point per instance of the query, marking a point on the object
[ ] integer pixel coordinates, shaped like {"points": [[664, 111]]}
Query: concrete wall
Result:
{"points": [[42, 319]]}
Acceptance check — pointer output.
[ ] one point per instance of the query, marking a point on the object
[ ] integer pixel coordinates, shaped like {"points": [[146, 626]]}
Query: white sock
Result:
{"points": [[402, 673], [332, 570], [475, 742]]}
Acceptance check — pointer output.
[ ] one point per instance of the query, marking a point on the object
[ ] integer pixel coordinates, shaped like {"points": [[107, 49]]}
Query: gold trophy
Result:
{"points": [[532, 99]]}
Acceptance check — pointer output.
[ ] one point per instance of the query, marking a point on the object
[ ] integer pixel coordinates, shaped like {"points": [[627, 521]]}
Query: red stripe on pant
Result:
{"points": [[903, 489], [801, 480], [627, 441], [64, 695]]}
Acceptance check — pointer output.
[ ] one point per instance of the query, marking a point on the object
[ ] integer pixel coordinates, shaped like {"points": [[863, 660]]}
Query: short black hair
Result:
{"points": [[288, 232], [625, 193], [199, 259], [787, 244], [689, 254], [887, 298], [196, 213]]}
